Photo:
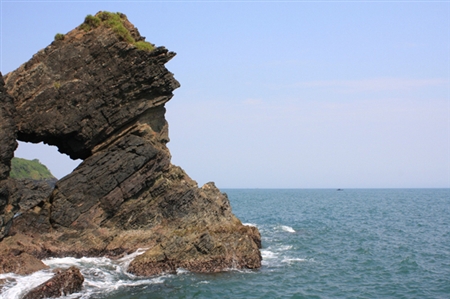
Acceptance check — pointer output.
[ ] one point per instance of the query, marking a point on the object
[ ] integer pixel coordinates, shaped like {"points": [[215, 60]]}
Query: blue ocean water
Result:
{"points": [[354, 243]]}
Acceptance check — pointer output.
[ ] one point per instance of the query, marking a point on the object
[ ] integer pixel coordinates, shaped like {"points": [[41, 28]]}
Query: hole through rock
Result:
{"points": [[59, 164]]}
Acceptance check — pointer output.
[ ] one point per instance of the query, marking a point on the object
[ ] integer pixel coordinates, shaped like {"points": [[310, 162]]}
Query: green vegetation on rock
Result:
{"points": [[29, 169], [59, 36], [91, 22], [115, 21], [142, 45]]}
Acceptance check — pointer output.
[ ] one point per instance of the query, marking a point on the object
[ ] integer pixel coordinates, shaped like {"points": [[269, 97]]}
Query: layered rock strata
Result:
{"points": [[8, 134], [100, 98]]}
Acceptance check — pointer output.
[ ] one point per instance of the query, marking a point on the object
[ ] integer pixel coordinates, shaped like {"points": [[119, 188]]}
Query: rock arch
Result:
{"points": [[101, 99]]}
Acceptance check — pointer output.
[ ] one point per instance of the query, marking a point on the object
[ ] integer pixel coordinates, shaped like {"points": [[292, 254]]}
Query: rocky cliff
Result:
{"points": [[98, 94], [8, 135]]}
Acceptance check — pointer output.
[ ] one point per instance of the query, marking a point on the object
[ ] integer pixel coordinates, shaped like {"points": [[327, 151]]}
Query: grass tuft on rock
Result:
{"points": [[59, 36], [115, 21], [142, 45], [90, 22]]}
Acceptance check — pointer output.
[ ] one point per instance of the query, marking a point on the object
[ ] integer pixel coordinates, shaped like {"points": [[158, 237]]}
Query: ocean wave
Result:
{"points": [[267, 254], [101, 275], [17, 286], [287, 229], [125, 261], [290, 260], [285, 247], [182, 271]]}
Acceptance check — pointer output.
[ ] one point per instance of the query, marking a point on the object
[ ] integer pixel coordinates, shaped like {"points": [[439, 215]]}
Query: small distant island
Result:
{"points": [[29, 169]]}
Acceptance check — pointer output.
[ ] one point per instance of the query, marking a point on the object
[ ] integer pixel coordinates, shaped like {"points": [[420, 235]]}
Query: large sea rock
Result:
{"points": [[63, 283], [99, 98]]}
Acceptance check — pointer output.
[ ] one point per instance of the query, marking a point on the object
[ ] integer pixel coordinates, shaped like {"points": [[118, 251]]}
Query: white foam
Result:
{"points": [[287, 229], [101, 275], [17, 285], [269, 258], [125, 261], [267, 254], [285, 247], [71, 261], [249, 224], [289, 260], [182, 271]]}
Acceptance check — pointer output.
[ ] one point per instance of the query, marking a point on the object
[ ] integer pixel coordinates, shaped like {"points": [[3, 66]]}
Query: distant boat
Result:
{"points": [[339, 189]]}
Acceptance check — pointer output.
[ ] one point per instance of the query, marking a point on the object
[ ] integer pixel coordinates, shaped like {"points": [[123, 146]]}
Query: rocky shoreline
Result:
{"points": [[99, 97]]}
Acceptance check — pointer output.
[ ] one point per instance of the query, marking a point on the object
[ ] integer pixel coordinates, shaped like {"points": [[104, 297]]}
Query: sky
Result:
{"points": [[282, 94]]}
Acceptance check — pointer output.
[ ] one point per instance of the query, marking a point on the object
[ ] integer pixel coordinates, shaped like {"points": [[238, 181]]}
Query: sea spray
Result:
{"points": [[17, 286], [102, 276]]}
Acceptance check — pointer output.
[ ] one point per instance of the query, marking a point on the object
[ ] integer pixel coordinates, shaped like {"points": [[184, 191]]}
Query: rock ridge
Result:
{"points": [[102, 99]]}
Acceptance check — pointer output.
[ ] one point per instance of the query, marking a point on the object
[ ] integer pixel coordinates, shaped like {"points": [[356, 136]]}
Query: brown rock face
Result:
{"points": [[101, 99], [20, 263]]}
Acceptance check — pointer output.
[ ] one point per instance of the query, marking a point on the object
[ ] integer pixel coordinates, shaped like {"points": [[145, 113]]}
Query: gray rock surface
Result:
{"points": [[8, 134]]}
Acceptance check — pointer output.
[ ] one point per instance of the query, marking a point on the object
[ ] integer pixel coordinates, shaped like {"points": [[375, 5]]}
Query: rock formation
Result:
{"points": [[98, 95]]}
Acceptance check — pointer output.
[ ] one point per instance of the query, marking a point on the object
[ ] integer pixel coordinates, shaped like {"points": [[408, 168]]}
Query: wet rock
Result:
{"points": [[212, 250], [64, 283]]}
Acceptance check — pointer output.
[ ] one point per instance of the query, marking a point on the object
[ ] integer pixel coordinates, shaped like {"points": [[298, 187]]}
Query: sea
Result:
{"points": [[324, 243]]}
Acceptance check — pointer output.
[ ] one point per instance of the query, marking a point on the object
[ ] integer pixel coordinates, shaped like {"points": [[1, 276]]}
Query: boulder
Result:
{"points": [[63, 283]]}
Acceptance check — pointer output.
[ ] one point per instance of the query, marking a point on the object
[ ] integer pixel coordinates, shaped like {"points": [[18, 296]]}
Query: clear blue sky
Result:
{"points": [[293, 94]]}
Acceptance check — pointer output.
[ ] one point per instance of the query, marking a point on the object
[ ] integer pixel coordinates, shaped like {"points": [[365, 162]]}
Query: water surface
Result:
{"points": [[355, 243]]}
